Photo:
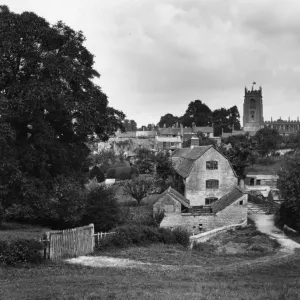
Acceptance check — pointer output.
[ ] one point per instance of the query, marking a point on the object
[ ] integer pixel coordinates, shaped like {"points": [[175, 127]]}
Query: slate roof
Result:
{"points": [[204, 129], [176, 196], [175, 131], [180, 151], [227, 200], [188, 159], [142, 133], [128, 134]]}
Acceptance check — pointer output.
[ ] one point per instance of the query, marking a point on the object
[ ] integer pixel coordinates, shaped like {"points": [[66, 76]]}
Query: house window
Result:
{"points": [[241, 202], [251, 181], [164, 145], [212, 184], [258, 182], [210, 200], [211, 165]]}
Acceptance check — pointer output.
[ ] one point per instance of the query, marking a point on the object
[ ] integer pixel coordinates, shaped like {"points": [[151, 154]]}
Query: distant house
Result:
{"points": [[211, 196], [260, 181]]}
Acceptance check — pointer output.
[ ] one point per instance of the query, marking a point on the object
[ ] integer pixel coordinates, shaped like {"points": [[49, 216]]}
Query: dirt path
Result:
{"points": [[264, 223]]}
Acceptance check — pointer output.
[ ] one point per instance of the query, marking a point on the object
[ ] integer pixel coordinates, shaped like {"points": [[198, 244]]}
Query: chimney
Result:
{"points": [[194, 142]]}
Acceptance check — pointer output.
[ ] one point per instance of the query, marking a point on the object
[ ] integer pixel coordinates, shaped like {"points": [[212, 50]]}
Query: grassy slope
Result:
{"points": [[54, 281], [208, 276]]}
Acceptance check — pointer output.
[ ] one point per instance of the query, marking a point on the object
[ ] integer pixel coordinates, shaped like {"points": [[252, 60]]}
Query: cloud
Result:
{"points": [[155, 56]]}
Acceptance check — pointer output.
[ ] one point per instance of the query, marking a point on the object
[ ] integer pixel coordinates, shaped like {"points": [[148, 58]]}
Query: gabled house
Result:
{"points": [[207, 174], [211, 197]]}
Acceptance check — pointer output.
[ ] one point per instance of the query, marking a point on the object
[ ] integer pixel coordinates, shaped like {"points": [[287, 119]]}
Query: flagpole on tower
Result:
{"points": [[253, 85]]}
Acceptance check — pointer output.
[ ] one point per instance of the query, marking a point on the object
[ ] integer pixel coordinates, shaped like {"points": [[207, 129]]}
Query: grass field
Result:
{"points": [[190, 275], [12, 231]]}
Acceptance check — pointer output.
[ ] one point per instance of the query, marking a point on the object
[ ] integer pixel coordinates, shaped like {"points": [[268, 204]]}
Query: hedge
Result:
{"points": [[122, 173], [132, 235], [20, 251]]}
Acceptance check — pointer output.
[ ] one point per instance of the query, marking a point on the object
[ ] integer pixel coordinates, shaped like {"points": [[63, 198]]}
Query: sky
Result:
{"points": [[156, 56]]}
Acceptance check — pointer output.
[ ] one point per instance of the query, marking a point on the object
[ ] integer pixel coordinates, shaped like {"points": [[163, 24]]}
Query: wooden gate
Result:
{"points": [[69, 243]]}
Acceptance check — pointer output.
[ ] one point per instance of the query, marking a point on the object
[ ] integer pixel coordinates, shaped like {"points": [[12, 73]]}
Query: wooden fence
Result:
{"points": [[101, 235], [69, 243]]}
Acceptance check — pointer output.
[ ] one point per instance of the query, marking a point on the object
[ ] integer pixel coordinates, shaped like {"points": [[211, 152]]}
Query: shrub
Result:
{"points": [[101, 209], [129, 235], [182, 236], [20, 251], [167, 236], [122, 173], [96, 172]]}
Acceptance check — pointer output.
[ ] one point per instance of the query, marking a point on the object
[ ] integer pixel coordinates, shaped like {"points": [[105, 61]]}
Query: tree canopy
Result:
{"points": [[50, 107], [267, 140]]}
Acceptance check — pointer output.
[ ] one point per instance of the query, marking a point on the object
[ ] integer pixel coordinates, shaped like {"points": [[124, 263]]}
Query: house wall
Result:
{"points": [[232, 214], [195, 188]]}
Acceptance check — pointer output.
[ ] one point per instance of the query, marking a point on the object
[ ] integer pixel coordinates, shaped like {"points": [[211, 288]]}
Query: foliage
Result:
{"points": [[289, 187], [139, 188], [101, 209], [97, 173], [133, 235], [129, 125], [240, 156], [122, 173], [168, 120], [50, 108], [267, 139], [104, 157], [20, 251], [145, 160]]}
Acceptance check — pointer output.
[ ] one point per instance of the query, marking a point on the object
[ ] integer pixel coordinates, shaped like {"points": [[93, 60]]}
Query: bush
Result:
{"points": [[182, 236], [133, 235], [101, 209], [122, 173], [20, 251], [96, 172]]}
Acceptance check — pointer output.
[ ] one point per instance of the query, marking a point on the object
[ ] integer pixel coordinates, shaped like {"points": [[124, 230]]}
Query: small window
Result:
{"points": [[212, 184], [251, 181], [241, 202], [258, 182], [211, 165], [210, 200]]}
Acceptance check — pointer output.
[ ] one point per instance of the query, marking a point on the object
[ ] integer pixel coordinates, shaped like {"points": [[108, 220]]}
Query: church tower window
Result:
{"points": [[252, 104]]}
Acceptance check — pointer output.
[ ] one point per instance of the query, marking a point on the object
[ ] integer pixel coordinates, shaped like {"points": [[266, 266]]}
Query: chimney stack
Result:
{"points": [[194, 142]]}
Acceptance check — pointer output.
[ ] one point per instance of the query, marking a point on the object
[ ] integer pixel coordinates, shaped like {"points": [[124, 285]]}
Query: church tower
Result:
{"points": [[253, 110]]}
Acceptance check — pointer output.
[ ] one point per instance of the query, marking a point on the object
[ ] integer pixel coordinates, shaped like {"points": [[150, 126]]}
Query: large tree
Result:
{"points": [[198, 113], [288, 184], [168, 120], [49, 102], [267, 140]]}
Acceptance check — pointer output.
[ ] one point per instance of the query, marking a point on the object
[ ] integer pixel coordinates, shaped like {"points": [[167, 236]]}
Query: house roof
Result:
{"points": [[128, 134], [180, 151], [204, 129], [175, 131], [174, 139], [188, 158], [176, 196], [146, 133], [227, 200]]}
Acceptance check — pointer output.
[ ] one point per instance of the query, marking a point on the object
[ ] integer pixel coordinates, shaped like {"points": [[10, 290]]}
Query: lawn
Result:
{"points": [[12, 231], [198, 274], [279, 280]]}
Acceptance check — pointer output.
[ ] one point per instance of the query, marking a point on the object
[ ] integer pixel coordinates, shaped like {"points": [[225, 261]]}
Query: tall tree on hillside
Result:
{"points": [[50, 103], [168, 120], [197, 112], [130, 125], [220, 119], [234, 118]]}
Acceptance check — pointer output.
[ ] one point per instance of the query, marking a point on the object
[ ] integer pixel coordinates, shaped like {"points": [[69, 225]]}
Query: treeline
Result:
{"points": [[201, 115]]}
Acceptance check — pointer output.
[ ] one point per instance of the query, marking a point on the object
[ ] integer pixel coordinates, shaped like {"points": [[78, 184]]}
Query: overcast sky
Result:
{"points": [[156, 56]]}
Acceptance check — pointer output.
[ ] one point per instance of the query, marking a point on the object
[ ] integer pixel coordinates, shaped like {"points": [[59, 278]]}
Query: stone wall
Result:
{"points": [[233, 214], [195, 188]]}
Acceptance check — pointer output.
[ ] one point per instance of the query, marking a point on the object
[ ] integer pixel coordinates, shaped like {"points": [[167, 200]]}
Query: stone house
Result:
{"points": [[178, 212], [206, 173], [211, 197]]}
